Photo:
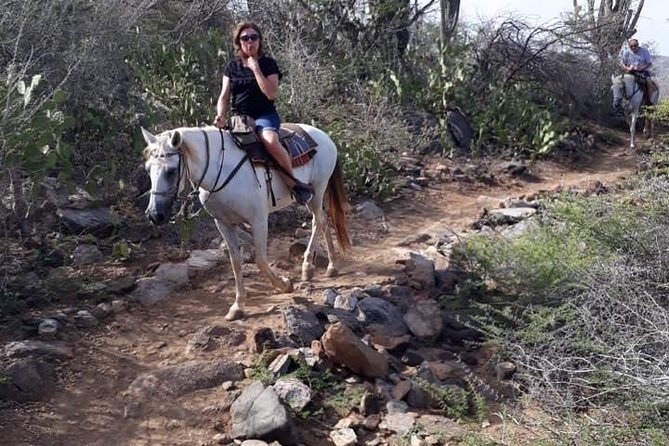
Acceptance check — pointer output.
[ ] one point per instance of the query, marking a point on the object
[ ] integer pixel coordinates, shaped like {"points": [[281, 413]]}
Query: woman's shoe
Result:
{"points": [[303, 193]]}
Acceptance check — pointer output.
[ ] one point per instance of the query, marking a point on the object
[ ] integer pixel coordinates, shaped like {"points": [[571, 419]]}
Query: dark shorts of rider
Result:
{"points": [[268, 122]]}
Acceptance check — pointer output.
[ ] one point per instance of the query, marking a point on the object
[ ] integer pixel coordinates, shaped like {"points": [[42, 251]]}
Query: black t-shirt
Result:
{"points": [[247, 98]]}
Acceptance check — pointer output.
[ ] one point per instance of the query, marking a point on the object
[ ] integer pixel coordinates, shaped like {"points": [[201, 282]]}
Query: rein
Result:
{"points": [[220, 167]]}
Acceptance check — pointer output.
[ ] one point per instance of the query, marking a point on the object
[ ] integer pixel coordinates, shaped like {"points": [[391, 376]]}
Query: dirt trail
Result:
{"points": [[88, 408]]}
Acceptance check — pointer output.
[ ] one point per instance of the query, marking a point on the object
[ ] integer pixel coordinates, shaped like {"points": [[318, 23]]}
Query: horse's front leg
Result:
{"points": [[632, 129], [229, 233], [260, 241]]}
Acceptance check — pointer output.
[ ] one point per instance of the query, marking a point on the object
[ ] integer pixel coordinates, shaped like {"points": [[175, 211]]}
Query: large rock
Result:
{"points": [[344, 347], [421, 270], [381, 313], [53, 350], [424, 319], [94, 221], [181, 379], [258, 413], [302, 325], [26, 379], [168, 278], [204, 260], [293, 392]]}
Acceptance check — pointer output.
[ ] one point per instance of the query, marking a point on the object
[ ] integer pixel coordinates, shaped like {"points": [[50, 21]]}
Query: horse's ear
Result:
{"points": [[149, 137], [176, 139]]}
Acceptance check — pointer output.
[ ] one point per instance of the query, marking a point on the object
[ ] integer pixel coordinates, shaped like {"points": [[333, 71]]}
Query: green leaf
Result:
{"points": [[59, 96]]}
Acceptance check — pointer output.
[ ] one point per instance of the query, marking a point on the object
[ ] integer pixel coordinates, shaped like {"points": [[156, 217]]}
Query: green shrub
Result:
{"points": [[182, 81], [531, 265], [658, 113], [32, 128]]}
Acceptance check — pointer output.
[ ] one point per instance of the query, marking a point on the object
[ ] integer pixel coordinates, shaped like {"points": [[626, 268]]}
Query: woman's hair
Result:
{"points": [[238, 30]]}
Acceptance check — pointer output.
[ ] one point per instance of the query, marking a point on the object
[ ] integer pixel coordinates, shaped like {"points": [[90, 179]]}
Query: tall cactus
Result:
{"points": [[609, 24], [450, 11]]}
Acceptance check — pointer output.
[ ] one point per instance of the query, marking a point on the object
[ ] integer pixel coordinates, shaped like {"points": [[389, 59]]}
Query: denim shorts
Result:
{"points": [[268, 121]]}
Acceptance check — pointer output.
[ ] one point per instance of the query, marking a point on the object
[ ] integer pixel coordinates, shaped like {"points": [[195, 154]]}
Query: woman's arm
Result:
{"points": [[269, 85], [222, 104]]}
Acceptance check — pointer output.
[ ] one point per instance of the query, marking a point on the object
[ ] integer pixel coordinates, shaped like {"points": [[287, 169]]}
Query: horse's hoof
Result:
{"points": [[307, 273], [234, 314], [331, 272], [287, 285]]}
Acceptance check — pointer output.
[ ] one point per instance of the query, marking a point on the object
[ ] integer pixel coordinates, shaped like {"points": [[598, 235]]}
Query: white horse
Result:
{"points": [[235, 192], [625, 87]]}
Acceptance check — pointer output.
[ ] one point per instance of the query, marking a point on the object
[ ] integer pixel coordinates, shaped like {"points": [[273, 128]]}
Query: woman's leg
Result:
{"points": [[271, 141], [267, 127]]}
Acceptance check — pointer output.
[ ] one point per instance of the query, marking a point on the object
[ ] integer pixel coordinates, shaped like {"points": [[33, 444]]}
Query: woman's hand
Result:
{"points": [[253, 64], [219, 121]]}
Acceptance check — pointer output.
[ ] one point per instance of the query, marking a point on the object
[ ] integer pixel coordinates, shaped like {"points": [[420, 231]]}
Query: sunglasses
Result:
{"points": [[249, 38]]}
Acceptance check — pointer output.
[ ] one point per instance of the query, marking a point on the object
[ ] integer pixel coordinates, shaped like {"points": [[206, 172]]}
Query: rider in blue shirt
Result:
{"points": [[636, 60]]}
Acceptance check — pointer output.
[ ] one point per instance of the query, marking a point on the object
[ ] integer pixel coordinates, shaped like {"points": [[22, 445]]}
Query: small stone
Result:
{"points": [[417, 441], [344, 437], [329, 297], [395, 406], [221, 439], [118, 306], [371, 423], [401, 390], [505, 370], [132, 410], [254, 443], [84, 319], [369, 404], [48, 328]]}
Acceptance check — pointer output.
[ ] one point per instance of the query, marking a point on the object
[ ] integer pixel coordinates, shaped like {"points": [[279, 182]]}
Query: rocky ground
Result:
{"points": [[130, 346]]}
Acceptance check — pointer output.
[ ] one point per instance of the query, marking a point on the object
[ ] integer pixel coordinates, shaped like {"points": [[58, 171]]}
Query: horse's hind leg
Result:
{"points": [[260, 241], [236, 311], [332, 270], [319, 225]]}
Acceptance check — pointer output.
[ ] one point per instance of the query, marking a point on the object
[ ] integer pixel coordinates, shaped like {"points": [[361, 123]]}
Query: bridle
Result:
{"points": [[173, 191], [635, 88]]}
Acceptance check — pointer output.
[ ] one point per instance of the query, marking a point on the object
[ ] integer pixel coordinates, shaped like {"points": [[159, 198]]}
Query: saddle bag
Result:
{"points": [[243, 129]]}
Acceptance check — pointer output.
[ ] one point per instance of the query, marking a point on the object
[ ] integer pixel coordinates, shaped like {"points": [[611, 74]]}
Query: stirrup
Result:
{"points": [[303, 193]]}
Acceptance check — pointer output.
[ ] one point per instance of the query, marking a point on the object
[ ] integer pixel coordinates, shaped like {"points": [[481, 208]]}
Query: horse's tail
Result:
{"points": [[338, 206]]}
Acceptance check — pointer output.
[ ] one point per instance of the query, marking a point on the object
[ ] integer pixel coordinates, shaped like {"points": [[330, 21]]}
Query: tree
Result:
{"points": [[450, 12], [608, 25]]}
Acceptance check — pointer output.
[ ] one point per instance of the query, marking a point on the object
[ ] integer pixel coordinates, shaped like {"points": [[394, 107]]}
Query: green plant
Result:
{"points": [[452, 400], [180, 80], [659, 112], [343, 398], [530, 265], [121, 250], [31, 129], [365, 170]]}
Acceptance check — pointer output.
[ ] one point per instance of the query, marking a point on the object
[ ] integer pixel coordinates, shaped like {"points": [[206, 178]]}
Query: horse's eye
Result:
{"points": [[170, 173]]}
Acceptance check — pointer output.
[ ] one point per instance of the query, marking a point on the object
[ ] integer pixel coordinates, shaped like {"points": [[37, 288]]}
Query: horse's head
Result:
{"points": [[165, 168], [622, 85]]}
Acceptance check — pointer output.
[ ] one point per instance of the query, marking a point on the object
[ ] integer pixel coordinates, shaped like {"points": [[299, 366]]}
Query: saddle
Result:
{"points": [[298, 143], [647, 84]]}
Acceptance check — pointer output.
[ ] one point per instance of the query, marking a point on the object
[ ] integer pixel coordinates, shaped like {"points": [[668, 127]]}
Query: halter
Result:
{"points": [[181, 168]]}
